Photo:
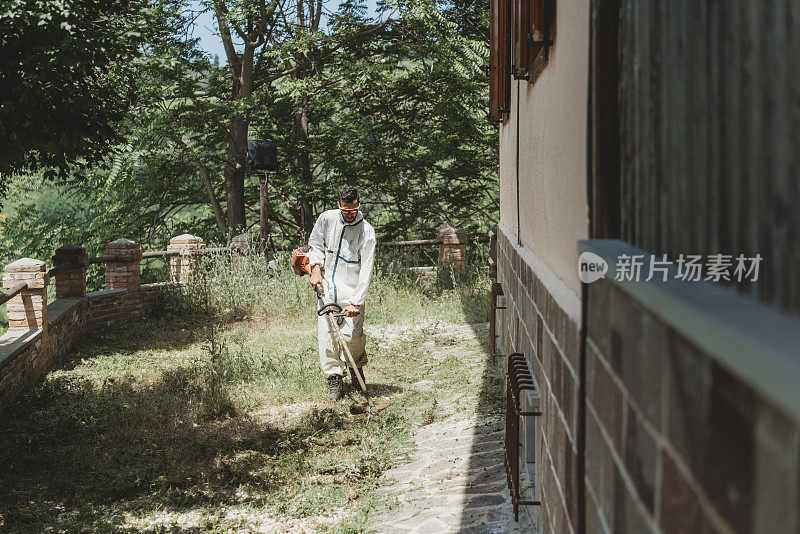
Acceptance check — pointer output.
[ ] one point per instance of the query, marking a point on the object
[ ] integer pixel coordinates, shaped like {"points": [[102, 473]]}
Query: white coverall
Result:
{"points": [[346, 254]]}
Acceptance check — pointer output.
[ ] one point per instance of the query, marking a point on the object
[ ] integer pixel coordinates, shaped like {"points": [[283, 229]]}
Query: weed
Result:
{"points": [[323, 421], [429, 415], [236, 286]]}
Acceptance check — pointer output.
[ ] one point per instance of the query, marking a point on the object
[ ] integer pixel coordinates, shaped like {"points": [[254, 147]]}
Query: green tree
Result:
{"points": [[403, 116], [396, 106], [208, 110], [66, 78], [353, 100]]}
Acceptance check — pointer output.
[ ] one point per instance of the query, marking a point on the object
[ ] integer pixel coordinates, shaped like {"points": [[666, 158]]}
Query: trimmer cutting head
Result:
{"points": [[365, 408]]}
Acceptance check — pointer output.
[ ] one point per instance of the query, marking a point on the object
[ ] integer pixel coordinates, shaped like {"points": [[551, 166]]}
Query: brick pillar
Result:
{"points": [[28, 309], [452, 247], [190, 250], [241, 243], [71, 283], [126, 272]]}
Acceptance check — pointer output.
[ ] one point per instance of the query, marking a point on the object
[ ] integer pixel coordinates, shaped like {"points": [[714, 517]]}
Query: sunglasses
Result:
{"points": [[349, 211]]}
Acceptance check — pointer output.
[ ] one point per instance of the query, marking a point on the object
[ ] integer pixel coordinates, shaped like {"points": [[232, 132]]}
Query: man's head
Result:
{"points": [[349, 203]]}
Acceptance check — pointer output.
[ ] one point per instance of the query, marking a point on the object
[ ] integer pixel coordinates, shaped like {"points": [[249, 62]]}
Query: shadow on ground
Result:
{"points": [[138, 336], [486, 502], [375, 390], [75, 453]]}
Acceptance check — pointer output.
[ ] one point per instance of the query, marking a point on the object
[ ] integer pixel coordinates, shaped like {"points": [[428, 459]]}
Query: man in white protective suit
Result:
{"points": [[342, 257]]}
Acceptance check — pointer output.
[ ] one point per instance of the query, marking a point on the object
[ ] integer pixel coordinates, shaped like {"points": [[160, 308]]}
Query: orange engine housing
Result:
{"points": [[301, 262]]}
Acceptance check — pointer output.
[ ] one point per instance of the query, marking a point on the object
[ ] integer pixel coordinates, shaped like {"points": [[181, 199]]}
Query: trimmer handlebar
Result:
{"points": [[320, 292], [331, 308]]}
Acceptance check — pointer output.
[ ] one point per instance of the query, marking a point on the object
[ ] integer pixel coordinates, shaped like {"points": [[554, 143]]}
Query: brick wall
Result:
{"points": [[40, 332], [113, 306], [151, 295], [537, 325], [29, 355], [674, 441]]}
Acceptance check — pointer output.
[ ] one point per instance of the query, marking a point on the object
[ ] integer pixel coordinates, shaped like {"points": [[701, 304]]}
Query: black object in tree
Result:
{"points": [[262, 155]]}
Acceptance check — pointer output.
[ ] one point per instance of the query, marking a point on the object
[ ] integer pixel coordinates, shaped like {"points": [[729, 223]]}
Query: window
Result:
{"points": [[519, 45], [499, 60], [532, 36]]}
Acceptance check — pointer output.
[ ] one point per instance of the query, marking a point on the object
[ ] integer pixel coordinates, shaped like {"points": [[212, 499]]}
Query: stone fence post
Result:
{"points": [[126, 272], [71, 283], [241, 244], [28, 309], [452, 247], [190, 250]]}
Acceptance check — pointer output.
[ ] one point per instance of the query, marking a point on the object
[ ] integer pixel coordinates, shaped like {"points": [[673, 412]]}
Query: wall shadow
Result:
{"points": [[486, 506]]}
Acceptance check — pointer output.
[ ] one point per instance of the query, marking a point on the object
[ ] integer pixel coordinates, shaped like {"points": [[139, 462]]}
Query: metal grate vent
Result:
{"points": [[518, 379]]}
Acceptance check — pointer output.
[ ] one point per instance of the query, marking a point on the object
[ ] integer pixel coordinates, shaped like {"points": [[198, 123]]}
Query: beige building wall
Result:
{"points": [[508, 180], [552, 150]]}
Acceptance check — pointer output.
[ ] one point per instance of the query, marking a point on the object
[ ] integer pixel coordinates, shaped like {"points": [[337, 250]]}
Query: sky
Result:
{"points": [[205, 28]]}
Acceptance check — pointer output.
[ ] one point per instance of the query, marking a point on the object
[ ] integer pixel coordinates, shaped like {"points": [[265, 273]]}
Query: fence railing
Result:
{"points": [[453, 248], [12, 292], [25, 281]]}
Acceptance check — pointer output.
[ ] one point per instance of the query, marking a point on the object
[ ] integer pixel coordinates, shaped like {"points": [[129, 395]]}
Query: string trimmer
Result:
{"points": [[332, 310]]}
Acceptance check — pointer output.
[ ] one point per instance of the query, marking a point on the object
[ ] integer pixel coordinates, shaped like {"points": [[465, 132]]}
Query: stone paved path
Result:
{"points": [[455, 481]]}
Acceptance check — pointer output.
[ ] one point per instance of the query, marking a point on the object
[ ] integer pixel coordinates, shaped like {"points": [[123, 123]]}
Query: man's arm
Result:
{"points": [[316, 275], [316, 257], [365, 274]]}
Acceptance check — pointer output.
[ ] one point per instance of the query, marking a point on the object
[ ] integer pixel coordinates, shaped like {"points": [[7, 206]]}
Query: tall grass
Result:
{"points": [[233, 287]]}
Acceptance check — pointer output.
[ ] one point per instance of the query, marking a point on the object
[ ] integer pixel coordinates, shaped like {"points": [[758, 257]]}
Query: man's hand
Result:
{"points": [[316, 276], [351, 310]]}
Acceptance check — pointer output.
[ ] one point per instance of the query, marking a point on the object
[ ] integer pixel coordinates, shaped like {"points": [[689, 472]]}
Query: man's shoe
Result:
{"points": [[353, 378], [335, 390]]}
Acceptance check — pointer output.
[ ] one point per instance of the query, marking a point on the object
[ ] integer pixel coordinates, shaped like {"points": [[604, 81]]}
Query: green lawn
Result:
{"points": [[188, 424]]}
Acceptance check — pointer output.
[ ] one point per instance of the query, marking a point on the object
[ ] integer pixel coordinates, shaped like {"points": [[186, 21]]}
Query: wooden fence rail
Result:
{"points": [[123, 271], [12, 292]]}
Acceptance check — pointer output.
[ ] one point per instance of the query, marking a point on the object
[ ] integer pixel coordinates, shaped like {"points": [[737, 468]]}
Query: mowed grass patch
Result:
{"points": [[112, 439], [210, 417]]}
